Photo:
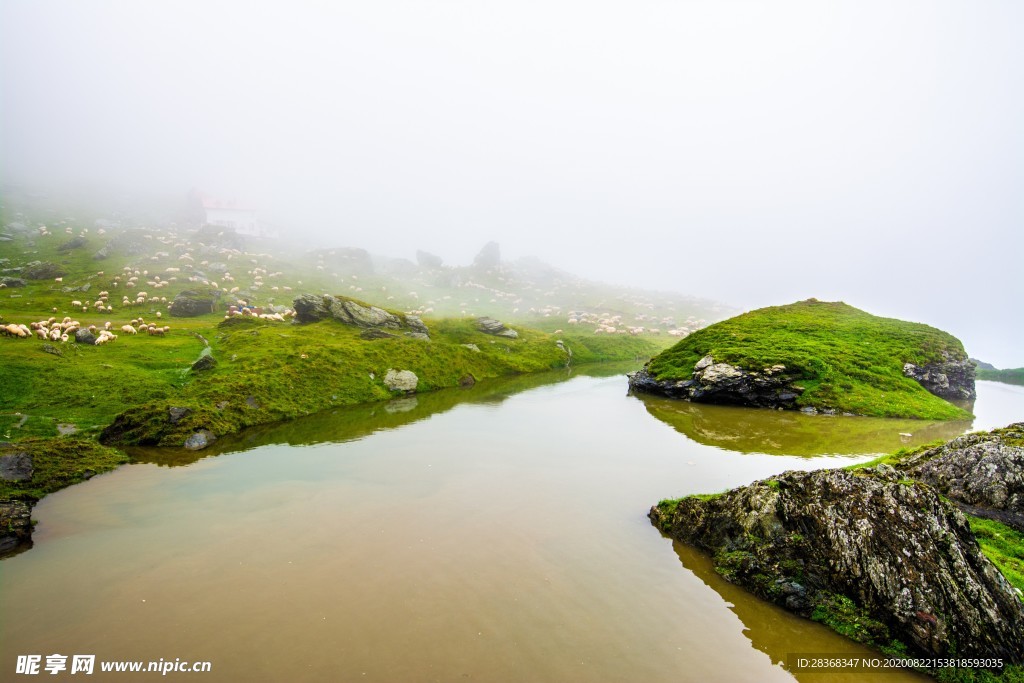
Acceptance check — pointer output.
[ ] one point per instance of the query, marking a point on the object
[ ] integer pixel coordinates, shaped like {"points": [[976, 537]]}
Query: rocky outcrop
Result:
{"points": [[724, 384], [401, 380], [495, 327], [951, 378], [311, 308], [983, 471], [15, 526], [880, 557], [73, 243], [190, 303], [12, 282]]}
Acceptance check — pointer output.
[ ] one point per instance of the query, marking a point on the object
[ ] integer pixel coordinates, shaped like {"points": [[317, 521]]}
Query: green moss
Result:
{"points": [[844, 616], [843, 358], [58, 463]]}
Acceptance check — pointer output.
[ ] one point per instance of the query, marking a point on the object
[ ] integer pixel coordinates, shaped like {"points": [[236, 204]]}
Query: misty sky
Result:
{"points": [[753, 152]]}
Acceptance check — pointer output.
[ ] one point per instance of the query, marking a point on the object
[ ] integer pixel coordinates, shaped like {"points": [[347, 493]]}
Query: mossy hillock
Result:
{"points": [[817, 356]]}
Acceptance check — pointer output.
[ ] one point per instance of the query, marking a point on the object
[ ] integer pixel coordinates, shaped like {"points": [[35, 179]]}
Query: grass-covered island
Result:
{"points": [[817, 356]]}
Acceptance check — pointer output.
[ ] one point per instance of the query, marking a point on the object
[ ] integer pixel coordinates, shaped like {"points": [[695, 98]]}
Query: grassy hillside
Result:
{"points": [[1011, 376], [845, 359]]}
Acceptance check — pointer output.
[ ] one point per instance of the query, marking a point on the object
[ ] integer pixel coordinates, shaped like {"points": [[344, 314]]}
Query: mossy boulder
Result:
{"points": [[191, 303], [883, 560]]}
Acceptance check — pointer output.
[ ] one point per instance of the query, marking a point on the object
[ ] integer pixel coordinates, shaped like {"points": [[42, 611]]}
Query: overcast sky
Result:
{"points": [[753, 152]]}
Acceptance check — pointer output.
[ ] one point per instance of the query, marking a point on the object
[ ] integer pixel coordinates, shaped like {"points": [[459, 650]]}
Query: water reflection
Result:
{"points": [[776, 632], [356, 422], [777, 432]]}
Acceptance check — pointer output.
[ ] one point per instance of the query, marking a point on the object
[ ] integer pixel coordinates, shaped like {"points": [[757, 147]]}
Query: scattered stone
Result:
{"points": [[178, 413], [472, 347], [73, 243], [102, 253], [865, 544], [50, 348], [199, 440], [16, 466], [205, 362], [401, 380], [418, 335], [84, 336], [495, 327], [12, 282]]}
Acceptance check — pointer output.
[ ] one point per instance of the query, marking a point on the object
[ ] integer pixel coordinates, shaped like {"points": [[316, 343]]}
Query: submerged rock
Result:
{"points": [[199, 440], [885, 558]]}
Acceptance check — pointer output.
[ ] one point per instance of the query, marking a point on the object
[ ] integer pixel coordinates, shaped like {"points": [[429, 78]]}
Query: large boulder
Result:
{"points": [[401, 380], [190, 303], [983, 472], [311, 308], [878, 556], [12, 282]]}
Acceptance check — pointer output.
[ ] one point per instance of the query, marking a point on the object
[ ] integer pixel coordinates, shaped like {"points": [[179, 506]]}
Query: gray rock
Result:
{"points": [[102, 253], [310, 308], [16, 466], [199, 440], [351, 313], [376, 334], [401, 380], [416, 325], [902, 555], [206, 362], [473, 347], [984, 471], [84, 336], [50, 348], [418, 335], [495, 327], [178, 413], [73, 243], [723, 383], [190, 303], [12, 282], [952, 378]]}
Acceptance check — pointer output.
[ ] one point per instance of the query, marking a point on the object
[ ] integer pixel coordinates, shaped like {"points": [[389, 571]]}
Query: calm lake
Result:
{"points": [[497, 533]]}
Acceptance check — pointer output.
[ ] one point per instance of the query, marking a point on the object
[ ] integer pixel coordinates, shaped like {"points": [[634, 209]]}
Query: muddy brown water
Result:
{"points": [[492, 534]]}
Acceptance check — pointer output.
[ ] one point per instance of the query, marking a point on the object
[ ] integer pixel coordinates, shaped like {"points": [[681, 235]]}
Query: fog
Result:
{"points": [[754, 153]]}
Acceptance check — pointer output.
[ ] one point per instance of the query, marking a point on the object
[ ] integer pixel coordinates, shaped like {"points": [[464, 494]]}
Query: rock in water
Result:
{"points": [[865, 547], [199, 440]]}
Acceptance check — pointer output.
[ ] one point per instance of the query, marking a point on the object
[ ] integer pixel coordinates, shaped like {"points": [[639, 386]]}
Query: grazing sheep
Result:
{"points": [[128, 329]]}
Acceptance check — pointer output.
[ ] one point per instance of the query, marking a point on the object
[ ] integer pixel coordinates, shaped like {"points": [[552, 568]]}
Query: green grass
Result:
{"points": [[843, 358], [1003, 545], [57, 463], [1012, 376]]}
